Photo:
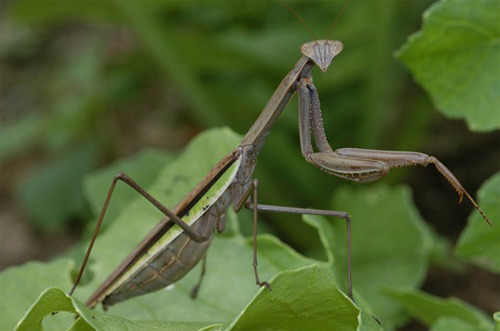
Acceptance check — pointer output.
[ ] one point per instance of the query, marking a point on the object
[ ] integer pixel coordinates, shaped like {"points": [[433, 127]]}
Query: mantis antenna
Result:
{"points": [[300, 18], [307, 25], [336, 19]]}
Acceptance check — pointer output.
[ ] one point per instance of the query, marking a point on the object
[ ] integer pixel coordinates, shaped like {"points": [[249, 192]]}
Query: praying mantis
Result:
{"points": [[181, 239]]}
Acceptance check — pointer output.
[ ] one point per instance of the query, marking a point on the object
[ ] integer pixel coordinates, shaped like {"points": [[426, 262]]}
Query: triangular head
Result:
{"points": [[322, 52]]}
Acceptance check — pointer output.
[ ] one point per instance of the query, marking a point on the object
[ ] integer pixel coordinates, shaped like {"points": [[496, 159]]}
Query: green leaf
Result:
{"points": [[429, 309], [496, 318], [368, 323], [295, 298], [20, 287], [50, 301], [292, 305], [56, 300], [390, 245], [227, 288], [480, 243], [455, 59]]}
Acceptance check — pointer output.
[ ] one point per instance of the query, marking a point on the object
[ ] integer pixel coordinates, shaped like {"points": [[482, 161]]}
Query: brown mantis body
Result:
{"points": [[183, 236]]}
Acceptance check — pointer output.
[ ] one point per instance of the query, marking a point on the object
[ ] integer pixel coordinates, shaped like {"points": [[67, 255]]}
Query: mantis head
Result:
{"points": [[322, 52]]}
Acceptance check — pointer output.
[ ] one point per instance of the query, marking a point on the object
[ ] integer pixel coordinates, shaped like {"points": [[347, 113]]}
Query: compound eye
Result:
{"points": [[306, 49], [337, 46]]}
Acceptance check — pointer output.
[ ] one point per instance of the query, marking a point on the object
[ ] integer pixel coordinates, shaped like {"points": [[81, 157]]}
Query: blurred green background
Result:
{"points": [[84, 84]]}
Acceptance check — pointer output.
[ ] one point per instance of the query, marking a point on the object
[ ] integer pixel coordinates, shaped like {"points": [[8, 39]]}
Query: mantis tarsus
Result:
{"points": [[182, 237]]}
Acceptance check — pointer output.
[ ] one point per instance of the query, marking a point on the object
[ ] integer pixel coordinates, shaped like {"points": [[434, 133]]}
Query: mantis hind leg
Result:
{"points": [[121, 176], [196, 287]]}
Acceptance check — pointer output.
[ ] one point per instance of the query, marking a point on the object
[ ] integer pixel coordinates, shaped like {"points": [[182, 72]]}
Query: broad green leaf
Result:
{"points": [[50, 301], [228, 286], [56, 300], [20, 287], [455, 58], [302, 294], [292, 305], [368, 323], [480, 243], [496, 318], [429, 309], [390, 245]]}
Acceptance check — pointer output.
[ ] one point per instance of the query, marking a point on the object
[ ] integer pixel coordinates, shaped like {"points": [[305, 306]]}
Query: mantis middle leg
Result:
{"points": [[256, 207]]}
